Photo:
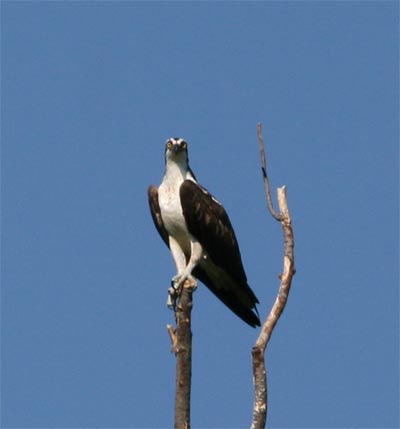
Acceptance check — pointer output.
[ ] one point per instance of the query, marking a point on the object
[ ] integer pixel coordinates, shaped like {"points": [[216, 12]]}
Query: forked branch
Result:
{"points": [[258, 352]]}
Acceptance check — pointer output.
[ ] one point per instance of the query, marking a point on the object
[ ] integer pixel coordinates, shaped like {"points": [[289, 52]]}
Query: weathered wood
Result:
{"points": [[181, 339], [260, 407]]}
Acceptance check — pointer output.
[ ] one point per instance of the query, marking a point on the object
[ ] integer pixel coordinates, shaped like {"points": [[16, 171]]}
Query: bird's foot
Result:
{"points": [[190, 283], [174, 292]]}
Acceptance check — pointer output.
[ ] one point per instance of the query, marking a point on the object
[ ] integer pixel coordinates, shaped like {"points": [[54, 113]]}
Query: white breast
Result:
{"points": [[171, 209]]}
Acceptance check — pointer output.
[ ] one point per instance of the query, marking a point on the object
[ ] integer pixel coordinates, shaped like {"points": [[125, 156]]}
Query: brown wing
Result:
{"points": [[209, 223], [156, 213]]}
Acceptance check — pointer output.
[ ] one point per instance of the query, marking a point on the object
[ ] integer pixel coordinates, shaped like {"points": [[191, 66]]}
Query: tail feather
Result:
{"points": [[238, 298]]}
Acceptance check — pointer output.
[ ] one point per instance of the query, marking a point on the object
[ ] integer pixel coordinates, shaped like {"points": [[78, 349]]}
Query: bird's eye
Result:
{"points": [[169, 145], [183, 145]]}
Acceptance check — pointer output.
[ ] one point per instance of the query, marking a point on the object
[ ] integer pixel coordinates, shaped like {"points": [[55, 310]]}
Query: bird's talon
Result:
{"points": [[171, 299], [173, 293], [175, 282], [191, 283]]}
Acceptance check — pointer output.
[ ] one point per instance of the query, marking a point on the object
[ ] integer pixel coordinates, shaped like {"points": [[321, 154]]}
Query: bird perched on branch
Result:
{"points": [[197, 229]]}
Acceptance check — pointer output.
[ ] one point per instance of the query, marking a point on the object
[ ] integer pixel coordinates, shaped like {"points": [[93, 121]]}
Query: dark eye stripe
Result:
{"points": [[176, 141]]}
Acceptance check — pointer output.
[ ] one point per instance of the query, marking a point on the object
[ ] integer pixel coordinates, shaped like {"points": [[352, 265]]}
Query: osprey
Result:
{"points": [[197, 229]]}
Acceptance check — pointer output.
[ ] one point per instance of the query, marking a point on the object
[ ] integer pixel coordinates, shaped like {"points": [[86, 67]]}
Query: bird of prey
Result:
{"points": [[197, 229]]}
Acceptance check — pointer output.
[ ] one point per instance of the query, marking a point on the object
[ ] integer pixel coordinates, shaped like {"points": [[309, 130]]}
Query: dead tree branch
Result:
{"points": [[258, 352], [267, 188], [181, 339]]}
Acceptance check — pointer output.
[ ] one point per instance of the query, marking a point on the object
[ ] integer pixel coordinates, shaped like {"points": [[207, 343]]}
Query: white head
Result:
{"points": [[176, 151]]}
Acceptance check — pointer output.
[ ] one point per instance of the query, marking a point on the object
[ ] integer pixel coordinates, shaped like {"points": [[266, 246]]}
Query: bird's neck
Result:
{"points": [[175, 173]]}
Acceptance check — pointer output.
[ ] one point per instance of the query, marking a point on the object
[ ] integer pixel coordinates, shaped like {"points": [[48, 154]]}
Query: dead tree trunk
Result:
{"points": [[260, 407], [181, 339]]}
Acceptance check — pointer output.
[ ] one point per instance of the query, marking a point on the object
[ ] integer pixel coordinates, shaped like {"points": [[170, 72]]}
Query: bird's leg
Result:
{"points": [[180, 262], [179, 280]]}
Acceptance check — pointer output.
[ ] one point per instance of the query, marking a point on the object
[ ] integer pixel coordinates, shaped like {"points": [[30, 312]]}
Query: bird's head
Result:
{"points": [[176, 150]]}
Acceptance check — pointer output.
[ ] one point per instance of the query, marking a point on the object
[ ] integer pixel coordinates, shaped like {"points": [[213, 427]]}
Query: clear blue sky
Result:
{"points": [[90, 93]]}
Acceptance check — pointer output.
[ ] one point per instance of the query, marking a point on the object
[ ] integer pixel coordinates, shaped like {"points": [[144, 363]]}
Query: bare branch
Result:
{"points": [[181, 339], [271, 209], [259, 372]]}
